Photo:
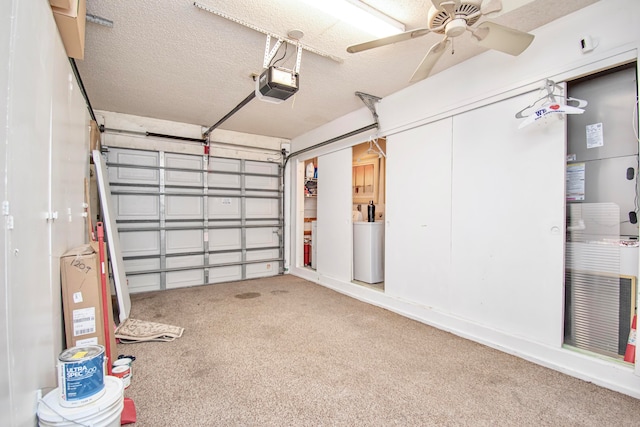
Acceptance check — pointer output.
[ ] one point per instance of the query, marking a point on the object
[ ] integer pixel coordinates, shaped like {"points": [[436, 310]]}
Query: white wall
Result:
{"points": [[475, 207], [5, 386], [44, 159]]}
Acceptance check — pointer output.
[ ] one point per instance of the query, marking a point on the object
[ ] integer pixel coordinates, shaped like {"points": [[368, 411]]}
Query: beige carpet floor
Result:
{"points": [[286, 352]]}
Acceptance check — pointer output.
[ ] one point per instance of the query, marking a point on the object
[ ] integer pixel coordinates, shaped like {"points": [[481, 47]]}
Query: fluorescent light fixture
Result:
{"points": [[359, 15]]}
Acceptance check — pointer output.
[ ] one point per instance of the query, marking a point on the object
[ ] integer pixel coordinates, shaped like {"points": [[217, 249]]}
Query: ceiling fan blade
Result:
{"points": [[436, 51], [407, 35], [490, 6], [498, 37]]}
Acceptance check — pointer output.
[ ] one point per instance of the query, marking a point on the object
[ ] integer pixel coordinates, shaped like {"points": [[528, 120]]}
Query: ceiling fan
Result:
{"points": [[452, 18]]}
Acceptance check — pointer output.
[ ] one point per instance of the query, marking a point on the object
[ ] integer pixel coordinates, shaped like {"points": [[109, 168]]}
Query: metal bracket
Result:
{"points": [[370, 101], [298, 58], [268, 55], [270, 52]]}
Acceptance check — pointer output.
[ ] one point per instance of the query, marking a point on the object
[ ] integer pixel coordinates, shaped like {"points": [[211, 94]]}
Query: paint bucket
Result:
{"points": [[124, 373], [81, 375], [125, 361], [104, 412]]}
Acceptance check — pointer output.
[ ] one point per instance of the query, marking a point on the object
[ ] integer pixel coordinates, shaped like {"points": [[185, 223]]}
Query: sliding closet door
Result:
{"points": [[418, 234], [508, 221], [334, 215]]}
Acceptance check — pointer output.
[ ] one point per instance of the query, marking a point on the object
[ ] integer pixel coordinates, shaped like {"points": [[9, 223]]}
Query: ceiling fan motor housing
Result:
{"points": [[455, 27], [441, 22]]}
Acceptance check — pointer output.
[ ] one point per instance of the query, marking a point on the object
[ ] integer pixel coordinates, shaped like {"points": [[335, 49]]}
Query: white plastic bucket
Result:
{"points": [[103, 412]]}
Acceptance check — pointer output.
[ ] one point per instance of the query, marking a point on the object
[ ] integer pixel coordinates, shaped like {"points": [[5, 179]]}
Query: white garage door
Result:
{"points": [[186, 220]]}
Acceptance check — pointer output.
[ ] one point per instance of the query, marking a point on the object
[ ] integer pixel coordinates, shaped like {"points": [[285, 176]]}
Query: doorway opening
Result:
{"points": [[310, 197], [368, 191], [601, 251]]}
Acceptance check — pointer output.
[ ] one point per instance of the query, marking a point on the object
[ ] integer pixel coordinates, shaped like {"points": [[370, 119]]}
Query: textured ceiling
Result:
{"points": [[171, 60]]}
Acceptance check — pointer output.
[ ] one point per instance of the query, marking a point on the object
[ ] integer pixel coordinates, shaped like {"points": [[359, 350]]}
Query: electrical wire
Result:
{"points": [[273, 63]]}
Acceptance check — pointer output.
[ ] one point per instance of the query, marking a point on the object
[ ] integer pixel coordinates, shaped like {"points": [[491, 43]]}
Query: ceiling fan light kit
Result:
{"points": [[452, 18]]}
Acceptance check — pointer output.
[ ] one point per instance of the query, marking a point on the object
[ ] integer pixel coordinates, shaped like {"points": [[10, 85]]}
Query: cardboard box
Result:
{"points": [[94, 136], [62, 4], [71, 25], [82, 299]]}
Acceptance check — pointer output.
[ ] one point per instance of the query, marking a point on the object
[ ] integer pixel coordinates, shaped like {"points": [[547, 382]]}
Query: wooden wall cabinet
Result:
{"points": [[365, 181]]}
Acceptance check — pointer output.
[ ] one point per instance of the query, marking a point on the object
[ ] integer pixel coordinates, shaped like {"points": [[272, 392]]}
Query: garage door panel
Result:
{"points": [[262, 182], [224, 165], [179, 279], [266, 254], [261, 270], [261, 167], [144, 264], [183, 207], [224, 179], [144, 283], [133, 175], [262, 194], [225, 239], [224, 258], [262, 208], [139, 243], [217, 180], [224, 207], [136, 207], [225, 273], [182, 241], [262, 237], [183, 177]]}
